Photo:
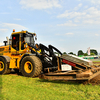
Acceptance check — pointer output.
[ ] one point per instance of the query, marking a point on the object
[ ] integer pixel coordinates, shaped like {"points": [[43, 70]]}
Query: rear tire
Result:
{"points": [[31, 66], [3, 66]]}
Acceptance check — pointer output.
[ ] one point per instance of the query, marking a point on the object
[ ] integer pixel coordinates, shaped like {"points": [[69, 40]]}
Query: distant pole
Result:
{"points": [[89, 51]]}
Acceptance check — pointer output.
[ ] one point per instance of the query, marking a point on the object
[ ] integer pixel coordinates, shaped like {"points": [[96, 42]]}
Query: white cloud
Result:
{"points": [[5, 13], [68, 23], [1, 43], [79, 5], [65, 34], [14, 26], [89, 16], [91, 22], [70, 15], [95, 1], [17, 19], [3, 30], [86, 7], [97, 35], [39, 4], [69, 33]]}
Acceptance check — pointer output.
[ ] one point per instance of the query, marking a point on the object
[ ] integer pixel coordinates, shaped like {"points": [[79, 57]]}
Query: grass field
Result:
{"points": [[95, 60], [13, 87]]}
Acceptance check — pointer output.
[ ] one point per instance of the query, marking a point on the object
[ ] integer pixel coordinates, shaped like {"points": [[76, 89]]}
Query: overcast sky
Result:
{"points": [[69, 25]]}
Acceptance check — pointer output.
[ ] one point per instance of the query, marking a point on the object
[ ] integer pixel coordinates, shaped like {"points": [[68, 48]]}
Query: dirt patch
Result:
{"points": [[95, 81]]}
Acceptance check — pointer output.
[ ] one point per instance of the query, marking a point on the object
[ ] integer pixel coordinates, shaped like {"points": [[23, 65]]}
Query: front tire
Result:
{"points": [[31, 66], [3, 66]]}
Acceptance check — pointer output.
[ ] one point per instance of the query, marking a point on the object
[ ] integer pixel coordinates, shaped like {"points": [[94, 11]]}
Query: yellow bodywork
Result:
{"points": [[14, 54]]}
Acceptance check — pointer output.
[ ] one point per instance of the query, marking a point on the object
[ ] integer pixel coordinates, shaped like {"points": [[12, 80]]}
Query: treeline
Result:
{"points": [[69, 53], [81, 53]]}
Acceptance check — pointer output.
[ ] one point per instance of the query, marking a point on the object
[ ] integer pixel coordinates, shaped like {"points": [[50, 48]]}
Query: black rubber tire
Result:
{"points": [[4, 71], [36, 64]]}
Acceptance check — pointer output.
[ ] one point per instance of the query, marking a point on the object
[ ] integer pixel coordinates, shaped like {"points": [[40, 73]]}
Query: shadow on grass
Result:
{"points": [[55, 81], [63, 82], [16, 73]]}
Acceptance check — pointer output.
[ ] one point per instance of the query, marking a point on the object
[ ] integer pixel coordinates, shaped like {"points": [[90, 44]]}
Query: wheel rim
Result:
{"points": [[1, 66], [28, 67]]}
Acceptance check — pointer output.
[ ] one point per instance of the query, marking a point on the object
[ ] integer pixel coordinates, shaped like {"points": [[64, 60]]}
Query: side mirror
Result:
{"points": [[35, 38], [5, 42]]}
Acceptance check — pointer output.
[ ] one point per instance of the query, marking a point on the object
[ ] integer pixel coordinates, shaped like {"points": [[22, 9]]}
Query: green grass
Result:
{"points": [[13, 87], [95, 60]]}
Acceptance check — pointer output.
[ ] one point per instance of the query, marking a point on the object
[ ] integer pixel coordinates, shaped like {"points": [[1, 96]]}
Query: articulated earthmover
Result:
{"points": [[22, 54]]}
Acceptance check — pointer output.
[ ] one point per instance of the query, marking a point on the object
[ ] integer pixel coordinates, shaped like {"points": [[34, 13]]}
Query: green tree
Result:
{"points": [[64, 53], [80, 52], [72, 53], [94, 51]]}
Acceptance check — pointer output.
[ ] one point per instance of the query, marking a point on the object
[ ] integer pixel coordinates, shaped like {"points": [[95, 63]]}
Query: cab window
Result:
{"points": [[22, 42], [15, 41]]}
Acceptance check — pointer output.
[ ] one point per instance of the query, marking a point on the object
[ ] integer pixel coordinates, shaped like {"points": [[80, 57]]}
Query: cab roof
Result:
{"points": [[22, 32]]}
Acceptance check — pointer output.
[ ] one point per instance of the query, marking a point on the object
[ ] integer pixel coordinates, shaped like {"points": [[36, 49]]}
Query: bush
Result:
{"points": [[85, 54], [92, 54]]}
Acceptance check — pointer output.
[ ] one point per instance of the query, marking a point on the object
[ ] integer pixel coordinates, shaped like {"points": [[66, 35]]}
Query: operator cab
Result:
{"points": [[21, 38], [29, 38]]}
